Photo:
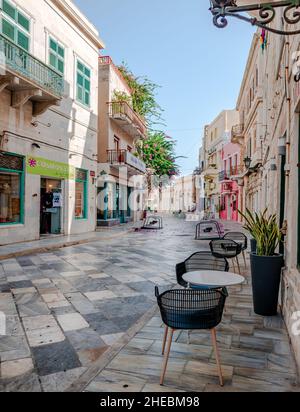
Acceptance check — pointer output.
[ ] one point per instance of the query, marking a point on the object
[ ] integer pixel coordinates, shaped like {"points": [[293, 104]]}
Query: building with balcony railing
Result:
{"points": [[119, 168], [48, 119]]}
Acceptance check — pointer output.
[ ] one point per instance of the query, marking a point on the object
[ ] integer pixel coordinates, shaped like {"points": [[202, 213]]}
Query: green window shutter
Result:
{"points": [[60, 51], [87, 98], [60, 66], [23, 21], [80, 67], [52, 60], [8, 30], [53, 45], [23, 40], [87, 72], [87, 85], [79, 79], [9, 9], [79, 94]]}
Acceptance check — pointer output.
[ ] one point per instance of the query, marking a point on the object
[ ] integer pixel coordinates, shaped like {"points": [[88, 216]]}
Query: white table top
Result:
{"points": [[213, 278]]}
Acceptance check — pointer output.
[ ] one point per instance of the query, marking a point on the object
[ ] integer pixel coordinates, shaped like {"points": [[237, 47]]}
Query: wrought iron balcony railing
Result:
{"points": [[227, 175], [124, 157], [123, 112], [22, 63]]}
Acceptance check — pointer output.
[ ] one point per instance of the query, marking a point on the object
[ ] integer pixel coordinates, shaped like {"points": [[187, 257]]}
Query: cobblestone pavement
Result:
{"points": [[68, 309], [65, 308]]}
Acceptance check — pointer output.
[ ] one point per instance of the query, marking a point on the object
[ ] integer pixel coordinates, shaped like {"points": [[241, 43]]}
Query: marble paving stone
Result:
{"points": [[61, 381], [72, 321], [54, 358], [123, 291], [13, 347], [208, 369], [88, 356], [25, 384], [101, 325], [12, 369], [14, 326], [22, 291], [25, 284], [109, 340], [100, 295], [85, 339], [44, 336], [98, 276], [116, 382]]}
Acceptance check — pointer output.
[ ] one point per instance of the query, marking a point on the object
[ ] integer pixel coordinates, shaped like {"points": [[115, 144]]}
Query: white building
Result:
{"points": [[48, 119]]}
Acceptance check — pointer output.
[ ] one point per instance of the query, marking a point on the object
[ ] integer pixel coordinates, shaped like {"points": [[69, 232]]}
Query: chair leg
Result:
{"points": [[167, 354], [165, 340], [244, 256], [188, 337], [233, 265], [238, 265], [215, 345]]}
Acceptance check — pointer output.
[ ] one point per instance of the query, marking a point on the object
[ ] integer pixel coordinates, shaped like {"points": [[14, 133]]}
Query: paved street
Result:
{"points": [[70, 311]]}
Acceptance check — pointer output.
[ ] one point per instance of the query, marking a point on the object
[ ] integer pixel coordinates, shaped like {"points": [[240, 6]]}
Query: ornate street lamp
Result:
{"points": [[221, 9], [247, 162]]}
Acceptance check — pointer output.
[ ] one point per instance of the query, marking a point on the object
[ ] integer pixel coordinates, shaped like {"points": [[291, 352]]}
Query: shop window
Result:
{"points": [[81, 202], [11, 189], [56, 55], [83, 84], [15, 25]]}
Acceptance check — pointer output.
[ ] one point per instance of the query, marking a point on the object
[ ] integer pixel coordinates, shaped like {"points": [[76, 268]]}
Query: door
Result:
{"points": [[51, 207], [228, 199]]}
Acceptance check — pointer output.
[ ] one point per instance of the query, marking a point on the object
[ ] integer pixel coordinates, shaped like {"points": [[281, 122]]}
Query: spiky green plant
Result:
{"points": [[264, 230]]}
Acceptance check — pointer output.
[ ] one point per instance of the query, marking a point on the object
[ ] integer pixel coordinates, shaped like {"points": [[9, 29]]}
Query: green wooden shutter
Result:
{"points": [[8, 30], [23, 21], [9, 9], [23, 41]]}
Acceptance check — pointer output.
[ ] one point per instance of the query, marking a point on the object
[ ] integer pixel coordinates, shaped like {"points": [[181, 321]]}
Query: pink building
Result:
{"points": [[229, 203]]}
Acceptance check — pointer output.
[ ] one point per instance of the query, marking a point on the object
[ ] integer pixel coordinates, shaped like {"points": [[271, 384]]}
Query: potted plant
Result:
{"points": [[266, 264]]}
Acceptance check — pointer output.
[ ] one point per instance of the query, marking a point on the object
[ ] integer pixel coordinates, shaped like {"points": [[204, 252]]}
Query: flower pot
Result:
{"points": [[253, 244], [266, 275]]}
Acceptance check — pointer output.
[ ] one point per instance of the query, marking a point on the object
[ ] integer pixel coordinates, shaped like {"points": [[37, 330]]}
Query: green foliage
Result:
{"points": [[158, 152], [264, 230], [143, 96], [121, 97]]}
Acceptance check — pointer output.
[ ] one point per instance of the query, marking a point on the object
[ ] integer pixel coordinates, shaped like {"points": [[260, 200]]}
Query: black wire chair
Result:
{"points": [[227, 249], [239, 238], [153, 223], [209, 230], [187, 309], [200, 261]]}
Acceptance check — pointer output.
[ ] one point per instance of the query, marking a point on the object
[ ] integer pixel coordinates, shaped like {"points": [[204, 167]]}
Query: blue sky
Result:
{"points": [[174, 43]]}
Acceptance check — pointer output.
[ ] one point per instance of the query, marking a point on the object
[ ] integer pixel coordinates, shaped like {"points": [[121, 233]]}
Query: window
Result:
{"points": [[11, 189], [56, 55], [81, 194], [83, 94], [15, 25]]}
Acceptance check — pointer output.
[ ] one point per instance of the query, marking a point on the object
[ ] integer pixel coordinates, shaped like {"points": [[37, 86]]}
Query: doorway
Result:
{"points": [[51, 207]]}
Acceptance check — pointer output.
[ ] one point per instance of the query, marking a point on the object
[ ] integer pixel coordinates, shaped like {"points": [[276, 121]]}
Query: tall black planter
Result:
{"points": [[253, 244], [266, 274]]}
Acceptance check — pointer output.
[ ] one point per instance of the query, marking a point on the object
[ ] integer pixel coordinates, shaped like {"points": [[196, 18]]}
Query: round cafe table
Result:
{"points": [[213, 279]]}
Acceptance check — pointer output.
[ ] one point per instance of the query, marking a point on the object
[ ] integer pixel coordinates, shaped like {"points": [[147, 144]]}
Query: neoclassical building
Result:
{"points": [[48, 119]]}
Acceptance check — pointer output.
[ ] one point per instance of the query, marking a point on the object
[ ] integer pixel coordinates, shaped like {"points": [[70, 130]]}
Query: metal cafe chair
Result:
{"points": [[227, 249], [188, 309], [153, 223], [209, 230], [200, 261], [241, 239]]}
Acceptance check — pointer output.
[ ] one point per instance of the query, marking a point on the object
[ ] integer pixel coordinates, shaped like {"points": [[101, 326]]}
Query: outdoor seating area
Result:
{"points": [[209, 230], [153, 223], [204, 277]]}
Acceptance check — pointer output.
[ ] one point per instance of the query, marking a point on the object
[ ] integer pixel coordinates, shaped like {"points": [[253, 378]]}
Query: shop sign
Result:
{"points": [[49, 168], [135, 162]]}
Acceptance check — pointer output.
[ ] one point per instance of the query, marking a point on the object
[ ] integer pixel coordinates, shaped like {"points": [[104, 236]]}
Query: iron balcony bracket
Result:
{"points": [[221, 9]]}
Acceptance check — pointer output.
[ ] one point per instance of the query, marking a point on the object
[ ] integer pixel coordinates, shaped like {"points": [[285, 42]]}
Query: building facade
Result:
{"points": [[48, 119], [216, 136], [230, 190], [268, 133], [120, 172]]}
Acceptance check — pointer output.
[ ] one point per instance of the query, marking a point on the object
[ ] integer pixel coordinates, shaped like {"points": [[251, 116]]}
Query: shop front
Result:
{"points": [[41, 197]]}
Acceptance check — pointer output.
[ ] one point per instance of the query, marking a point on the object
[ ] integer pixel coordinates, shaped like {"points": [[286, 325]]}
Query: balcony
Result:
{"points": [[121, 158], [127, 119], [238, 133], [224, 176], [28, 78]]}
